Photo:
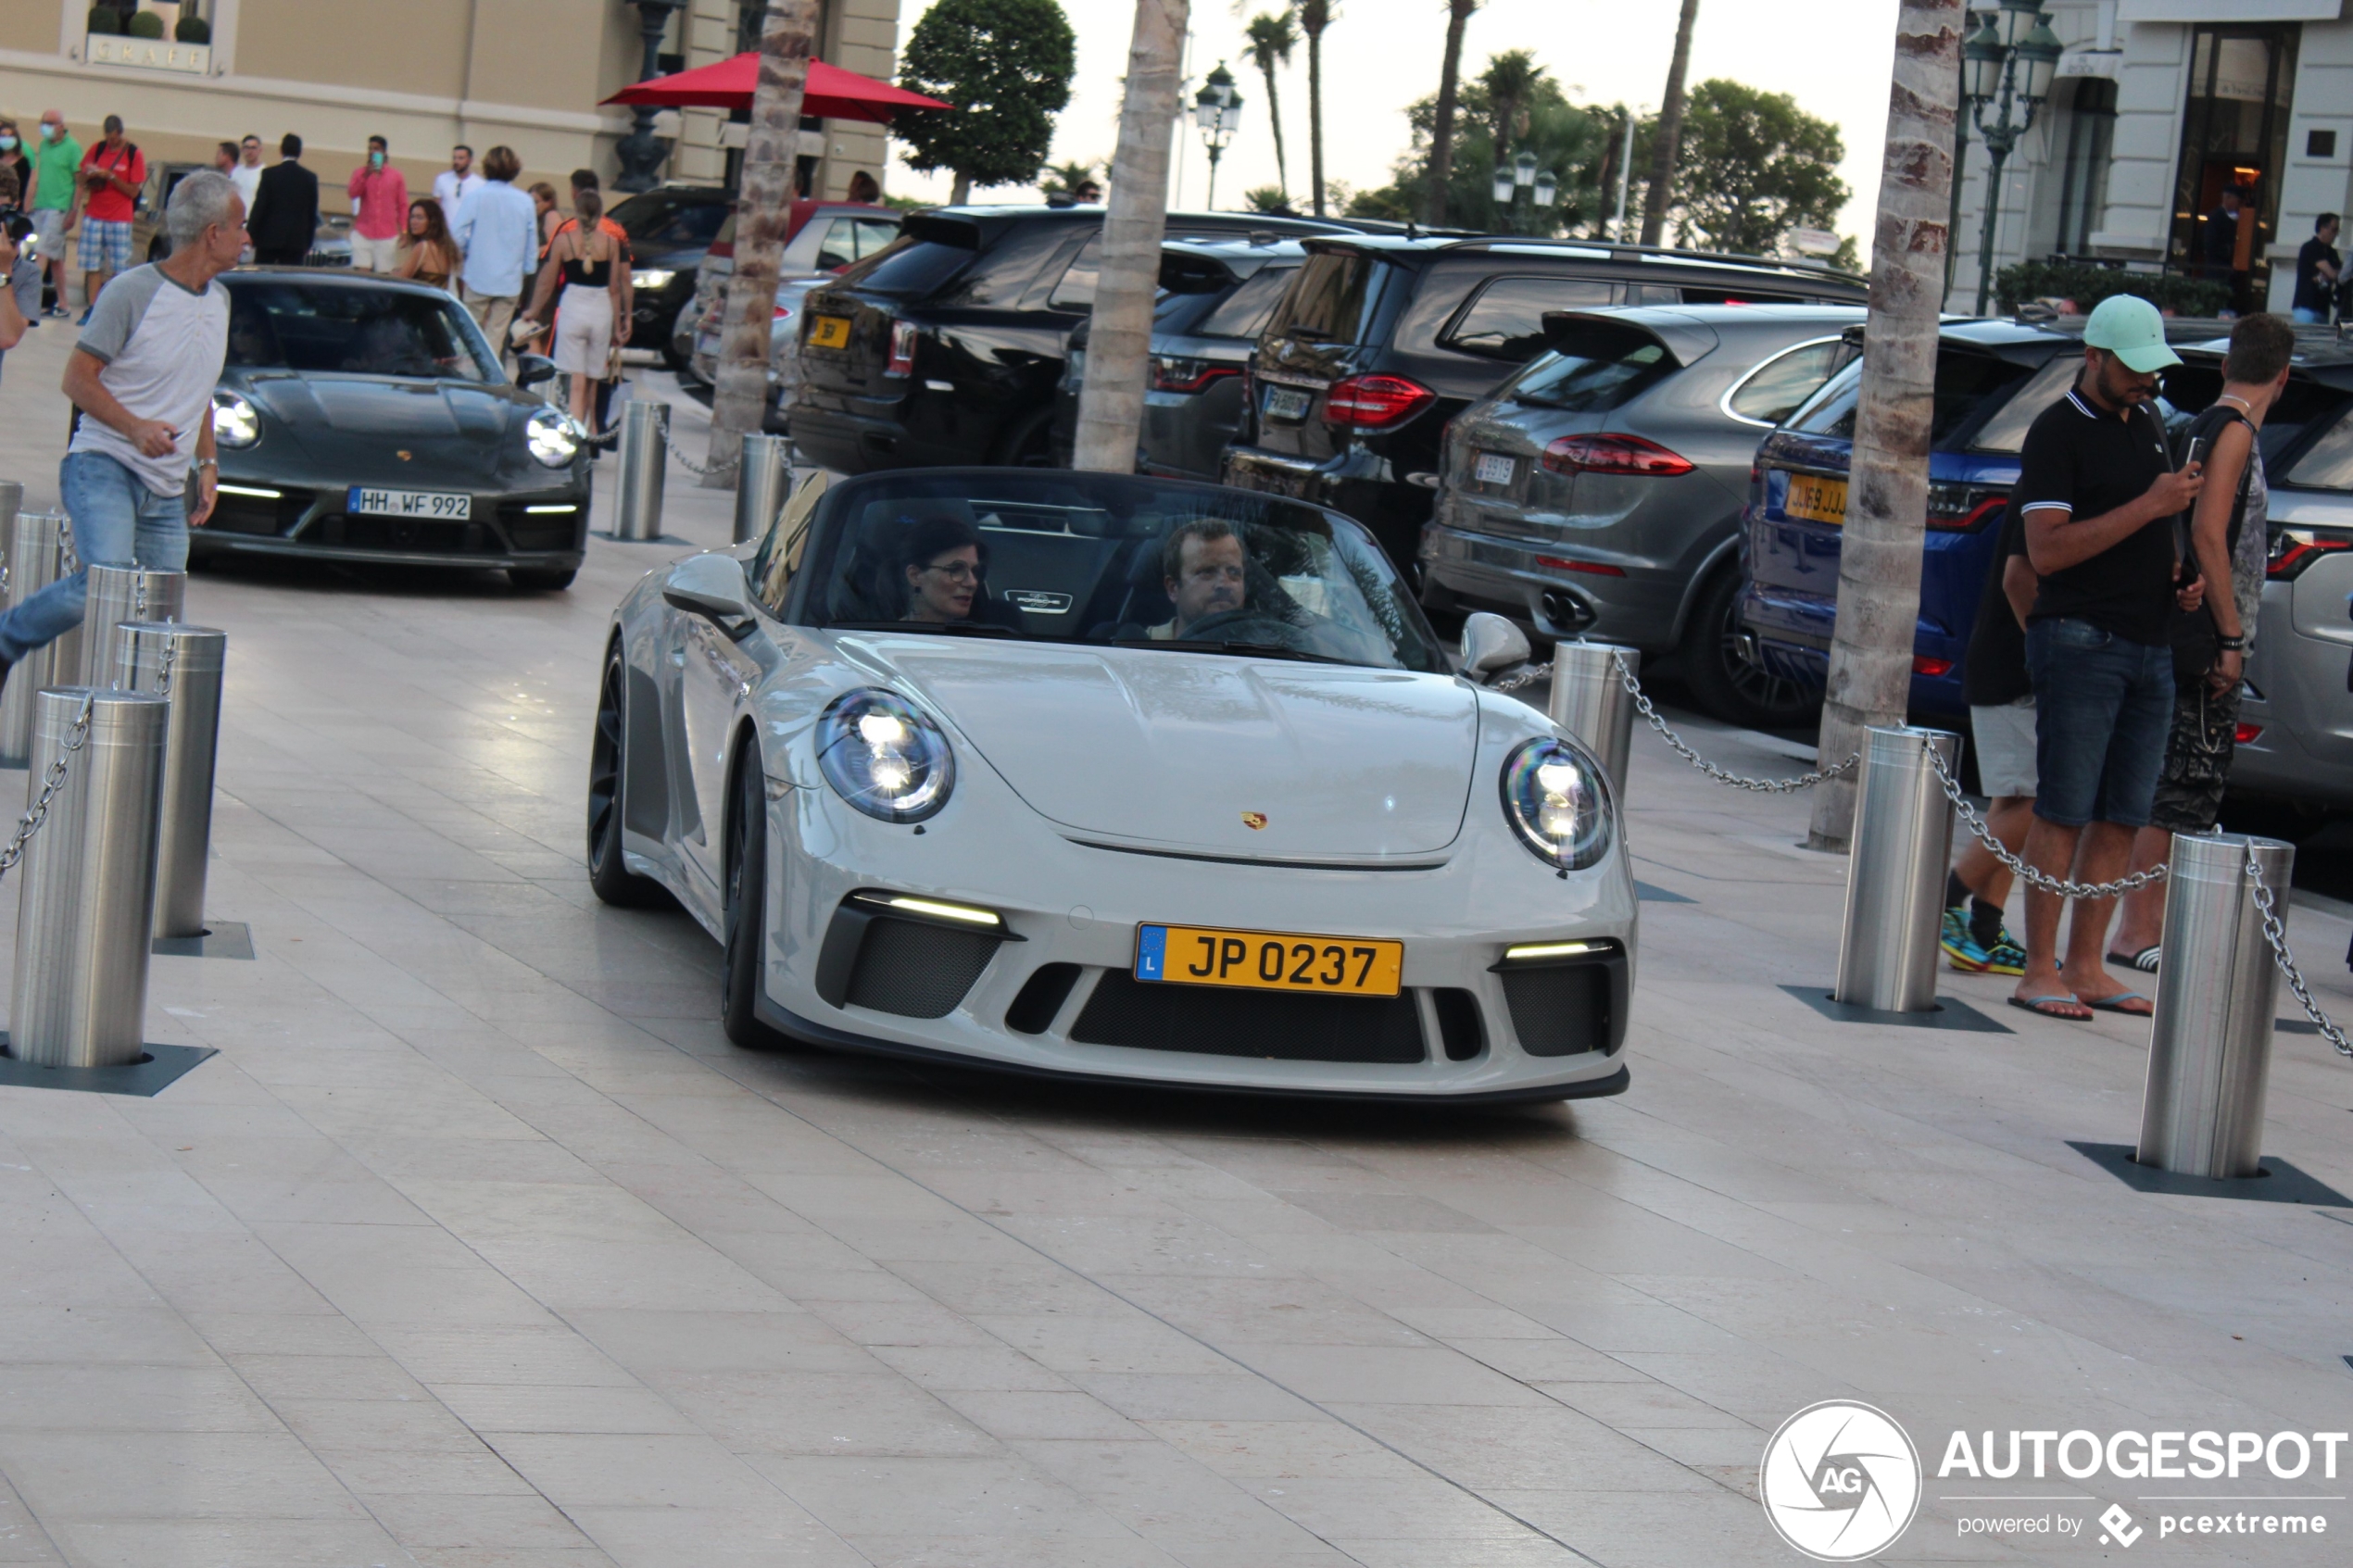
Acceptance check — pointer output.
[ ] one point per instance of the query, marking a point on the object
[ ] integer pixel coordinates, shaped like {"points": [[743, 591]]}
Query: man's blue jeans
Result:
{"points": [[116, 522], [2308, 316]]}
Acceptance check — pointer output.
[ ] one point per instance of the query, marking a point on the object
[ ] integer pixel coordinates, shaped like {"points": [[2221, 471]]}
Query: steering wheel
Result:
{"points": [[1245, 626]]}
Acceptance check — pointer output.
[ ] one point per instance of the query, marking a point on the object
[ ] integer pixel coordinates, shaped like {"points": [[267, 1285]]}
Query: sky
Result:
{"points": [[1833, 56]]}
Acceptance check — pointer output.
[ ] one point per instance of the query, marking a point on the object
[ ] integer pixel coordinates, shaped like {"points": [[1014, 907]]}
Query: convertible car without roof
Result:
{"points": [[1111, 778]]}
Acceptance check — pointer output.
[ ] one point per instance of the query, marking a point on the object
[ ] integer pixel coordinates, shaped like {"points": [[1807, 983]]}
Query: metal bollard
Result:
{"points": [[88, 882], [1590, 701], [2210, 1042], [645, 430], [119, 594], [11, 501], [1895, 875], [762, 481], [182, 665], [38, 545]]}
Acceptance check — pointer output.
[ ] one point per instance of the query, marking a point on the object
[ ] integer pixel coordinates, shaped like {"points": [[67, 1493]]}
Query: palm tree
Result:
{"points": [[1511, 80], [1880, 549], [1670, 130], [1111, 401], [771, 148], [1271, 39], [1442, 132], [1315, 16], [1059, 180]]}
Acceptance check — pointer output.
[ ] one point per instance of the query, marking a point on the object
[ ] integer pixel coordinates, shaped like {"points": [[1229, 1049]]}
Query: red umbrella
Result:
{"points": [[833, 93]]}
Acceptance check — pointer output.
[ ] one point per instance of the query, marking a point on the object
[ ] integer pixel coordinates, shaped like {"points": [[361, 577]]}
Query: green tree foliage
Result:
{"points": [[1060, 182], [1007, 65], [1268, 198], [1567, 138], [1752, 165]]}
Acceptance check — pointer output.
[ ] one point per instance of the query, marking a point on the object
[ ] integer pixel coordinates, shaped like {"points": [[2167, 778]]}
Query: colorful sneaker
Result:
{"points": [[1960, 945], [2005, 957]]}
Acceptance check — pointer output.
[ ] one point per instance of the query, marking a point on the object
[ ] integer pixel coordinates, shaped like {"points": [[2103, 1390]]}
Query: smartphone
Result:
{"points": [[2184, 551]]}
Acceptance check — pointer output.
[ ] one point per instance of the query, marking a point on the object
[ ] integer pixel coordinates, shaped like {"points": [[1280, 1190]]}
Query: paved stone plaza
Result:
{"points": [[476, 1245]]}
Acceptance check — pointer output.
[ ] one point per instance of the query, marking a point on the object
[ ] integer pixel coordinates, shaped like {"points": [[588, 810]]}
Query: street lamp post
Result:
{"points": [[2006, 64], [641, 153], [1217, 110], [1521, 176]]}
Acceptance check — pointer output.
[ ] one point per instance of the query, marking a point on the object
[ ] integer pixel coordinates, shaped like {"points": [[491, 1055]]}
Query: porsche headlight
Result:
{"points": [[652, 278], [553, 438], [1555, 797], [885, 757], [235, 423]]}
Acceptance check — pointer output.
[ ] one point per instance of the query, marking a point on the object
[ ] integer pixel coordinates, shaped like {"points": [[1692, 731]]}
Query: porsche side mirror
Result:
{"points": [[533, 369], [711, 586], [1490, 644]]}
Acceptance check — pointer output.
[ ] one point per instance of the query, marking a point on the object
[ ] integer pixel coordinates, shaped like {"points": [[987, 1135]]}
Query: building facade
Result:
{"points": [[2160, 106], [425, 74]]}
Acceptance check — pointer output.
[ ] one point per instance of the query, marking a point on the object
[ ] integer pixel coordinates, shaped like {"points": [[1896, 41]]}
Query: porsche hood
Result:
{"points": [[1196, 753]]}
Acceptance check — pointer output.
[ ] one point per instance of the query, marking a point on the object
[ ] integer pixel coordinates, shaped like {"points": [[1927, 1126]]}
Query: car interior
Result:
{"points": [[290, 326]]}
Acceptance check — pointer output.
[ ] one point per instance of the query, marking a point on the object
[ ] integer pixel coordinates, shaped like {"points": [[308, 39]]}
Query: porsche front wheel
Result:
{"points": [[609, 878], [746, 919]]}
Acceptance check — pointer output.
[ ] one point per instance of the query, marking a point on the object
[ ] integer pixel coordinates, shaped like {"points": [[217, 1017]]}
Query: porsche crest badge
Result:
{"points": [[1254, 819]]}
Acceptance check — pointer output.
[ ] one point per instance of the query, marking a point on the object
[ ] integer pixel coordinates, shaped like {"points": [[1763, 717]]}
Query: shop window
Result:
{"points": [[2233, 133], [2089, 135]]}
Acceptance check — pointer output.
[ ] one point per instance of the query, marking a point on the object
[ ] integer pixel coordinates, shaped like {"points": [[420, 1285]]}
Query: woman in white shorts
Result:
{"points": [[592, 314]]}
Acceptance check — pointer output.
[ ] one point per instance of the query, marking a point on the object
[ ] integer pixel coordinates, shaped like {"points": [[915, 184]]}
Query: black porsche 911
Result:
{"points": [[366, 419]]}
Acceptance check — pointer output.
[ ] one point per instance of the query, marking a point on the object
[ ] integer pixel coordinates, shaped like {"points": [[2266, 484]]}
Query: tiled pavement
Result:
{"points": [[478, 1246]]}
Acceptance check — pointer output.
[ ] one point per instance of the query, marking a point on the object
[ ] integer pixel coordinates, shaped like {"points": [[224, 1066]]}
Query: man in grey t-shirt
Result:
{"points": [[143, 374]]}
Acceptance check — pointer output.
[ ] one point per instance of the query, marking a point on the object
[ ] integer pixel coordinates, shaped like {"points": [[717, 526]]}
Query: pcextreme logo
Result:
{"points": [[1840, 1481]]}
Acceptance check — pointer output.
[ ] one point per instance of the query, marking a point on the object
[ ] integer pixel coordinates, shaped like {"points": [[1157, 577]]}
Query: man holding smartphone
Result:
{"points": [[143, 374], [2098, 494]]}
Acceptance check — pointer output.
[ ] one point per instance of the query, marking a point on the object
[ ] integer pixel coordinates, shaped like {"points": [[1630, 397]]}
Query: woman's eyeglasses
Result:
{"points": [[956, 570]]}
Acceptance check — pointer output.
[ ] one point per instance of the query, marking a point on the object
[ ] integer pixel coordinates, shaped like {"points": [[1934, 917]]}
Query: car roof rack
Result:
{"points": [[1612, 250]]}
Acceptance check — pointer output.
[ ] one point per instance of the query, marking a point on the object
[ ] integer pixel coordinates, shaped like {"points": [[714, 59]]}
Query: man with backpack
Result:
{"points": [[112, 174], [2227, 547]]}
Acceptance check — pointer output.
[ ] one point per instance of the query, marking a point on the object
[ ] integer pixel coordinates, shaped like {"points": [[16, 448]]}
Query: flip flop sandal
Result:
{"points": [[2145, 961], [2116, 1004], [2041, 1006]]}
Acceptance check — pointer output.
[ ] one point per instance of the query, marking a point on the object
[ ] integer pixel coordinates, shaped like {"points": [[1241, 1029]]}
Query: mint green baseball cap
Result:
{"points": [[2130, 328]]}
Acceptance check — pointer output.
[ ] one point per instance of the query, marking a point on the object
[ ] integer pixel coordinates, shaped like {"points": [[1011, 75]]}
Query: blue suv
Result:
{"points": [[1993, 378]]}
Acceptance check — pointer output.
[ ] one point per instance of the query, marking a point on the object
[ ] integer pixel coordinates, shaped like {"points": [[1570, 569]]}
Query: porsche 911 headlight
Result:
{"points": [[885, 757], [652, 276], [553, 438], [235, 423], [1555, 800]]}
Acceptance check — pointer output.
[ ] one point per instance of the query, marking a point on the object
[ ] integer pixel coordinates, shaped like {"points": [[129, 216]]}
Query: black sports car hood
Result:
{"points": [[387, 430]]}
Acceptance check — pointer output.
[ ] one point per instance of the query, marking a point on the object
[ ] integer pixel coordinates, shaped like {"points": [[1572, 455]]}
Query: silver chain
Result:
{"points": [[2018, 868], [139, 595], [51, 782], [1762, 786], [2276, 934], [722, 465]]}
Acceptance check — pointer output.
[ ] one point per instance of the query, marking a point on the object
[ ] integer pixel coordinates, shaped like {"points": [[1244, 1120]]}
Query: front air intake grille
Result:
{"points": [[1041, 999], [1208, 1021], [423, 536], [917, 971], [1561, 1011], [1459, 1023]]}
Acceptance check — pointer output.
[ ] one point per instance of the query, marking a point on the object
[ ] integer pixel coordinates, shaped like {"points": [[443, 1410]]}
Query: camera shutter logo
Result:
{"points": [[1840, 1481]]}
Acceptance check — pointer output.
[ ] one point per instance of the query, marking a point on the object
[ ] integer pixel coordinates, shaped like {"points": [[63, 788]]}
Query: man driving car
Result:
{"points": [[1202, 570]]}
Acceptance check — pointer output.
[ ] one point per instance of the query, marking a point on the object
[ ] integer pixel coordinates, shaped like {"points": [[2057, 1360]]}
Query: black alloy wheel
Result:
{"points": [[609, 878], [745, 918], [1728, 685]]}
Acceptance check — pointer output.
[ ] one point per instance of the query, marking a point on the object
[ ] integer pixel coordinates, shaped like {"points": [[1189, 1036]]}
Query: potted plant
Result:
{"points": [[105, 19], [144, 24], [193, 29]]}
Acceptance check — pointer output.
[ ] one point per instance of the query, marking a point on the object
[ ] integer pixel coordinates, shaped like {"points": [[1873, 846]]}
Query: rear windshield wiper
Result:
{"points": [[1224, 644]]}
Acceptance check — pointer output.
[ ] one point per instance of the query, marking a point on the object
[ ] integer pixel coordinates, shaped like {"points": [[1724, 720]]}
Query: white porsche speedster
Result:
{"points": [[1114, 778]]}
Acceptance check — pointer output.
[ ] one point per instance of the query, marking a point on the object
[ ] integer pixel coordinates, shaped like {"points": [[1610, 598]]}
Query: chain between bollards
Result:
{"points": [[51, 782], [1528, 675], [2018, 868], [722, 465], [2275, 934]]}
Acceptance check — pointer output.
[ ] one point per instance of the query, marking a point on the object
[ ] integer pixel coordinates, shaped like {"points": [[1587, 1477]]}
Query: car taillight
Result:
{"points": [[1963, 508], [1374, 402], [1613, 454], [903, 349], [1593, 567], [1932, 668], [2245, 734], [2293, 549], [1172, 373]]}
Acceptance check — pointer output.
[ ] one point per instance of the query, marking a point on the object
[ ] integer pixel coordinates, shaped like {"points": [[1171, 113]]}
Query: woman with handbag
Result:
{"points": [[593, 318]]}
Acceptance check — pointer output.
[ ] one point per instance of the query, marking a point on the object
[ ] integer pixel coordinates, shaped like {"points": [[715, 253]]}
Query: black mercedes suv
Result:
{"points": [[945, 348], [1379, 340]]}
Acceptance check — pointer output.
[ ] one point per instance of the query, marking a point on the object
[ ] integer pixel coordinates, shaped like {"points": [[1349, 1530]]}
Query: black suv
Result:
{"points": [[1379, 340], [945, 348]]}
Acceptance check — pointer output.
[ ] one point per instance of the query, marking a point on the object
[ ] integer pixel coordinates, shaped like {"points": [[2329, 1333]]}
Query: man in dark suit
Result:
{"points": [[286, 209]]}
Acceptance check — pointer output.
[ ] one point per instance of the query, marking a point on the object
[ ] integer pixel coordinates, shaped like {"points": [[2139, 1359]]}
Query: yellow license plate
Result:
{"points": [[829, 332], [1268, 960], [1816, 499]]}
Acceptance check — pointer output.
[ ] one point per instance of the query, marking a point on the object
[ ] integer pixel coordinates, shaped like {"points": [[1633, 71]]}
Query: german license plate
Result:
{"points": [[1287, 403], [1268, 960], [1816, 499], [1495, 468], [829, 332], [408, 503]]}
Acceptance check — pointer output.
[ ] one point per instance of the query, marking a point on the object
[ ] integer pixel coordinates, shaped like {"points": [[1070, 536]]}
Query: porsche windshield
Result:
{"points": [[288, 325], [1102, 558]]}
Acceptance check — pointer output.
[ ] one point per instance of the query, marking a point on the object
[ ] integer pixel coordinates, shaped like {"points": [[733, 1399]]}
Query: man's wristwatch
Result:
{"points": [[208, 462], [2230, 644]]}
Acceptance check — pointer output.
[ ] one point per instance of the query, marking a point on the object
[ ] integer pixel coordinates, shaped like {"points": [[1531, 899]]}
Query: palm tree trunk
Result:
{"points": [[1441, 130], [1879, 562], [1275, 119], [1314, 16], [740, 396], [1111, 401], [1670, 130]]}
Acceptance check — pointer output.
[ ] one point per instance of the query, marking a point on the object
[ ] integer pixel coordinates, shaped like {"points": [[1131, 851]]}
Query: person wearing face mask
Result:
{"points": [[378, 210], [13, 157], [49, 201]]}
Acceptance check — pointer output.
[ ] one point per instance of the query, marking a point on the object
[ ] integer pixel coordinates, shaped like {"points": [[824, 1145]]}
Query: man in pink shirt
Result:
{"points": [[378, 210]]}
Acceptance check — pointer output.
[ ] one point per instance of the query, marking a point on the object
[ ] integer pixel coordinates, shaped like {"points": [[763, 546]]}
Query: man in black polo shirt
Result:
{"points": [[2316, 266], [2098, 494]]}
